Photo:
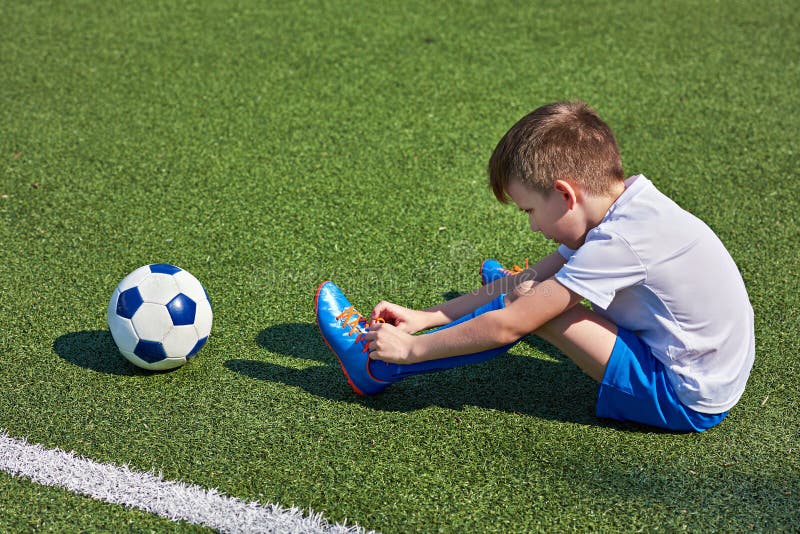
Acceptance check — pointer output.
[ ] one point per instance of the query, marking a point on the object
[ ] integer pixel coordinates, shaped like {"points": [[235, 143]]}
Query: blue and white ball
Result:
{"points": [[159, 316]]}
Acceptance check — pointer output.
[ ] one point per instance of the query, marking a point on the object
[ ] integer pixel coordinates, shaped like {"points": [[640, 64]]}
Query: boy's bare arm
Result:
{"points": [[458, 307], [524, 315]]}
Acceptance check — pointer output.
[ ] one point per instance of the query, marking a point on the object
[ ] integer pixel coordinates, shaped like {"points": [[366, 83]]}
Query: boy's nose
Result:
{"points": [[534, 226]]}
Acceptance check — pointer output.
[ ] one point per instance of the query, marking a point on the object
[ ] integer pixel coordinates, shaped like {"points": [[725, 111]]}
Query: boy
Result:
{"points": [[670, 334]]}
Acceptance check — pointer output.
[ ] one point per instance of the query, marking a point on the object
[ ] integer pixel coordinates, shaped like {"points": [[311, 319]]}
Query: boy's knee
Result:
{"points": [[522, 289], [528, 287]]}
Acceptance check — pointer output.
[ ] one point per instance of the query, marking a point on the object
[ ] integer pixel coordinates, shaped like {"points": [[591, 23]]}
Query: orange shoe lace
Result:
{"points": [[352, 319], [516, 269]]}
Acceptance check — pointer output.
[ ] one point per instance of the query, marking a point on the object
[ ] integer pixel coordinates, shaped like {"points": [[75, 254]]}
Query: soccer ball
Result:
{"points": [[159, 316]]}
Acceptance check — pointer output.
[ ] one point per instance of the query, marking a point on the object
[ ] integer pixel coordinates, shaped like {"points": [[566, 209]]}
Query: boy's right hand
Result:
{"points": [[406, 319]]}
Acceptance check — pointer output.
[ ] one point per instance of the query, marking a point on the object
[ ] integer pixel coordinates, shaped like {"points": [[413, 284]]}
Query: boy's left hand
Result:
{"points": [[390, 344]]}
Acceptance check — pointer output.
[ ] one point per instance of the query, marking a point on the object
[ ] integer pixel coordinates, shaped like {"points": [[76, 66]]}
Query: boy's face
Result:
{"points": [[553, 215]]}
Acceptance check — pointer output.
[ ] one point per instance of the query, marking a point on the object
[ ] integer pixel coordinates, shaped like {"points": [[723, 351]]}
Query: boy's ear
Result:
{"points": [[568, 192]]}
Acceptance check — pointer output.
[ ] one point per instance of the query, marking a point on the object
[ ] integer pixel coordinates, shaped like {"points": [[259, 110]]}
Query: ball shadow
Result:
{"points": [[95, 350], [515, 383]]}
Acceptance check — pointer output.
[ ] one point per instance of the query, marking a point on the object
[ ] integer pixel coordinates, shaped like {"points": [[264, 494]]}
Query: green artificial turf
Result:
{"points": [[28, 507], [268, 146]]}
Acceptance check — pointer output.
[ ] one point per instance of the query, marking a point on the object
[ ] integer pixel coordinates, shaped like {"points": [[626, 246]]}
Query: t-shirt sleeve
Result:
{"points": [[565, 251], [603, 265]]}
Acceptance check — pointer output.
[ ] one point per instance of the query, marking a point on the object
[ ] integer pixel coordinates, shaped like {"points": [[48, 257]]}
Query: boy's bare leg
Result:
{"points": [[584, 336]]}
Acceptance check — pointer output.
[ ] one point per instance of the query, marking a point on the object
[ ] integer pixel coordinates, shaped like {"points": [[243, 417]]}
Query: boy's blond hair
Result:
{"points": [[557, 141]]}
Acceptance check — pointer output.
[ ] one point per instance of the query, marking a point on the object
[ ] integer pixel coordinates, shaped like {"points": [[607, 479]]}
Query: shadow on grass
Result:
{"points": [[547, 389], [450, 295], [718, 496], [95, 350]]}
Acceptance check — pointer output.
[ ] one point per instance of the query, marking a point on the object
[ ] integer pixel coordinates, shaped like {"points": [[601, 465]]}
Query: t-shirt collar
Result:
{"points": [[633, 185]]}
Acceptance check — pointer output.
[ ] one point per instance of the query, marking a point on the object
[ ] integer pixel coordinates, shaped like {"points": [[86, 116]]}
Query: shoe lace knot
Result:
{"points": [[516, 269]]}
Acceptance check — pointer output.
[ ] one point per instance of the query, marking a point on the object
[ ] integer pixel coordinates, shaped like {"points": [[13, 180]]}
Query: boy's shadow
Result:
{"points": [[512, 383]]}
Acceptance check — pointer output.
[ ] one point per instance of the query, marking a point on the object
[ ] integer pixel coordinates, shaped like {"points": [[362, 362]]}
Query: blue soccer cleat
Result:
{"points": [[492, 270], [343, 329]]}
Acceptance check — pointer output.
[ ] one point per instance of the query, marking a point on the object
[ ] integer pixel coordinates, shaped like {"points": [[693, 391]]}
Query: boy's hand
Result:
{"points": [[407, 320], [389, 343]]}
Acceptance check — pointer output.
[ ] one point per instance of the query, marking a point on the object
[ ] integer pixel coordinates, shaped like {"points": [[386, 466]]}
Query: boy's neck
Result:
{"points": [[596, 207]]}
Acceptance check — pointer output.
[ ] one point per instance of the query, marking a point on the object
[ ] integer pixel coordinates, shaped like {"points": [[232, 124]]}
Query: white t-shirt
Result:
{"points": [[657, 270]]}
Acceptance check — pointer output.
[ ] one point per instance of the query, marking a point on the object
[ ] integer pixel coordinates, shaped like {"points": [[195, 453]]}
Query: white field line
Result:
{"points": [[174, 500]]}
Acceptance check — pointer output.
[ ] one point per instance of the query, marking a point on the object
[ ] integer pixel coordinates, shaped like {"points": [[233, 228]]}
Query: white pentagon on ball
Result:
{"points": [[159, 316], [158, 288]]}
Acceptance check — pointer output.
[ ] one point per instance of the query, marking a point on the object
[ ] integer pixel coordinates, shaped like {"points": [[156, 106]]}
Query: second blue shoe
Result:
{"points": [[492, 270], [343, 330]]}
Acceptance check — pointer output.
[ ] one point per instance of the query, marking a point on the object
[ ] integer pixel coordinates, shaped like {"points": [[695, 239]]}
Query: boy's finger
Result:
{"points": [[373, 354]]}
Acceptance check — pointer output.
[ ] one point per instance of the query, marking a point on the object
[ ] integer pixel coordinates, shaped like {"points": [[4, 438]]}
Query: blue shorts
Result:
{"points": [[635, 388]]}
